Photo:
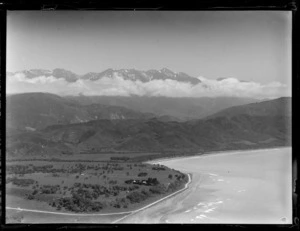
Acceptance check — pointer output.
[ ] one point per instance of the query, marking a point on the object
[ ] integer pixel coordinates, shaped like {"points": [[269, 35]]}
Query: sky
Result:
{"points": [[246, 45]]}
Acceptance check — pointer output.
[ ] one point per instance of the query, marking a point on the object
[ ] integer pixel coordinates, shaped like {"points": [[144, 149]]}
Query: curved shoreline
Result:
{"points": [[213, 153], [255, 190], [108, 214]]}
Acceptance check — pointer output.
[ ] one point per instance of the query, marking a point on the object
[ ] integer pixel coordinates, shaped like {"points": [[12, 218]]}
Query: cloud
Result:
{"points": [[18, 83]]}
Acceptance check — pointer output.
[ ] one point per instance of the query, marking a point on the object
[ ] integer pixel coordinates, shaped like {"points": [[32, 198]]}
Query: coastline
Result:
{"points": [[250, 187], [155, 161], [212, 153]]}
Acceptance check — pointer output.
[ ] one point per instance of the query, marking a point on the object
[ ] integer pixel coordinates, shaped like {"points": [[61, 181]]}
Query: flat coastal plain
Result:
{"points": [[249, 187]]}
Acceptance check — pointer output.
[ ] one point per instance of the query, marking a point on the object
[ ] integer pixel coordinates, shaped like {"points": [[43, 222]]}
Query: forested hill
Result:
{"points": [[264, 124]]}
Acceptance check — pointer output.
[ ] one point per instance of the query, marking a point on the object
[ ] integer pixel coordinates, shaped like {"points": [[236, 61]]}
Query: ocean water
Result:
{"points": [[248, 187]]}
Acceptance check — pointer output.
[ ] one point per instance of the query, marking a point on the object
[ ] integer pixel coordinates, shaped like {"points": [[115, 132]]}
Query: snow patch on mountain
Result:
{"points": [[128, 82]]}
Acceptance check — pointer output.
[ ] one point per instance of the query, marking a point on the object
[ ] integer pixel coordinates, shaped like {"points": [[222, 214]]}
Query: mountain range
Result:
{"points": [[262, 124], [180, 109], [39, 110], [126, 74], [31, 111], [132, 82]]}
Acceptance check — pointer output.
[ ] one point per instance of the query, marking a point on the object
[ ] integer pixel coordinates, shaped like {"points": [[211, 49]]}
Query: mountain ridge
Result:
{"points": [[184, 108], [281, 106], [126, 74], [238, 131], [39, 110]]}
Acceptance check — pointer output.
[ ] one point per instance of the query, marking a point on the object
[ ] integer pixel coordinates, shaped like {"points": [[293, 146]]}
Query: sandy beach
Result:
{"points": [[249, 187]]}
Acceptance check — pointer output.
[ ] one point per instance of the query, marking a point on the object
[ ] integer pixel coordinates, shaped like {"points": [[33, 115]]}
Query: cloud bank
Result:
{"points": [[117, 86]]}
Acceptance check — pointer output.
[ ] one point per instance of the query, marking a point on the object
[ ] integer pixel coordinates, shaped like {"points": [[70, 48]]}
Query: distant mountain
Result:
{"points": [[278, 107], [38, 110], [33, 73], [126, 74], [57, 73], [181, 108], [32, 111], [67, 75], [219, 132]]}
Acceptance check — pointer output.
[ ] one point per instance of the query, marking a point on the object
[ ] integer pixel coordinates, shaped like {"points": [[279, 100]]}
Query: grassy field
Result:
{"points": [[88, 187]]}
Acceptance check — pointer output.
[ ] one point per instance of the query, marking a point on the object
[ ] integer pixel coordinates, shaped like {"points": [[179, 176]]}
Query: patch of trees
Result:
{"points": [[152, 181], [120, 188], [83, 195], [180, 176], [141, 174], [112, 182], [158, 189], [30, 197], [177, 183], [136, 197], [112, 166], [20, 182], [18, 169], [158, 168], [139, 196], [133, 187], [78, 204], [173, 186], [120, 202], [94, 191], [149, 181], [27, 169], [49, 189], [146, 193]]}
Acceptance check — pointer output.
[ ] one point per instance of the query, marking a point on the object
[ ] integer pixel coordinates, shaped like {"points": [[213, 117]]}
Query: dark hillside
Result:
{"points": [[265, 124]]}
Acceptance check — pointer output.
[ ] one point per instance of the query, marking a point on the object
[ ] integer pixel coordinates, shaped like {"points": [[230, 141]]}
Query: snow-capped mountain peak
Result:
{"points": [[126, 74], [167, 72]]}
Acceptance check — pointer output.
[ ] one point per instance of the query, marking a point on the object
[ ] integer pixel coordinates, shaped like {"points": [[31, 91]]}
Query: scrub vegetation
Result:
{"points": [[88, 187]]}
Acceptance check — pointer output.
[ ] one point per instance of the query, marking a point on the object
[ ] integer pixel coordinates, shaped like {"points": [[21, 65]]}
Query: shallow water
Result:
{"points": [[238, 187]]}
